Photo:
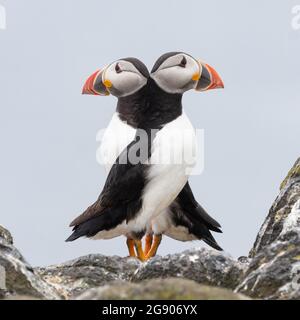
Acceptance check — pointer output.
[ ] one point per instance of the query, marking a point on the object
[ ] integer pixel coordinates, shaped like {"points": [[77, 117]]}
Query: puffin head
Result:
{"points": [[121, 78], [177, 72]]}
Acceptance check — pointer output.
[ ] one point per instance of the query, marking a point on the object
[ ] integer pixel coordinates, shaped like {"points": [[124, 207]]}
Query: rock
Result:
{"points": [[274, 270], [274, 273], [205, 266], [17, 277], [5, 234], [74, 277], [288, 196], [17, 297], [271, 271], [160, 289]]}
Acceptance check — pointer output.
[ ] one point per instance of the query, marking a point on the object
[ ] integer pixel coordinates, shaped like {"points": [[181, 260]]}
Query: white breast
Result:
{"points": [[116, 137], [173, 156]]}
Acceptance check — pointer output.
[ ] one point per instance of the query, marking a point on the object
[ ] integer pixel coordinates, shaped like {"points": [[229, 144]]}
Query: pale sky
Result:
{"points": [[49, 172]]}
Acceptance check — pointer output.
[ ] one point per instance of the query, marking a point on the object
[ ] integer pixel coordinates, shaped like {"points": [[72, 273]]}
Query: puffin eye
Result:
{"points": [[183, 62], [117, 68]]}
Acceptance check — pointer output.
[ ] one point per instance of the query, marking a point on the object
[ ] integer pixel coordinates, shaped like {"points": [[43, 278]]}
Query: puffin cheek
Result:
{"points": [[115, 91], [191, 84], [186, 81], [127, 83], [177, 78]]}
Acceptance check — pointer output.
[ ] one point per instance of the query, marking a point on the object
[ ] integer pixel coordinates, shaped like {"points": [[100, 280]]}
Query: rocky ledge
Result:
{"points": [[271, 271]]}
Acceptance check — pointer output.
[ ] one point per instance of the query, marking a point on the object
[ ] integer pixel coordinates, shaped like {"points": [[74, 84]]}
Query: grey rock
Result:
{"points": [[244, 259], [274, 270], [205, 266], [5, 235], [17, 276], [19, 297], [74, 277], [160, 289], [289, 194]]}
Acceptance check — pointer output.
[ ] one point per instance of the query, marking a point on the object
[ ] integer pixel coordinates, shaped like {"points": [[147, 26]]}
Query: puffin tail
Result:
{"points": [[189, 205], [92, 226], [210, 222], [75, 235], [203, 233], [212, 242]]}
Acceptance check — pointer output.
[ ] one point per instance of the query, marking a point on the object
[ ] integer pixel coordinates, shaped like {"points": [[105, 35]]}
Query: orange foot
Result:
{"points": [[154, 247]]}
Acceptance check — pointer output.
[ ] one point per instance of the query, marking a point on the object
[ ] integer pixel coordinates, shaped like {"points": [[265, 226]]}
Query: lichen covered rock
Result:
{"points": [[160, 289], [17, 275], [271, 271], [274, 270], [73, 277], [202, 265], [274, 273], [5, 235], [272, 227]]}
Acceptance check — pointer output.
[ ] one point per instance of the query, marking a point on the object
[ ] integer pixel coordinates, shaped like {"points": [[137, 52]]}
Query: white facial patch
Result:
{"points": [[126, 81], [173, 78]]}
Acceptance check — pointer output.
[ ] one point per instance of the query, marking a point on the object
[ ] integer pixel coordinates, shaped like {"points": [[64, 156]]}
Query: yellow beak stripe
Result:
{"points": [[107, 83], [196, 76]]}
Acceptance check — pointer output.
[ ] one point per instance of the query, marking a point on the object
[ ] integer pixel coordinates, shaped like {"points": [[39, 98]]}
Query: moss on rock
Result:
{"points": [[161, 289], [293, 173]]}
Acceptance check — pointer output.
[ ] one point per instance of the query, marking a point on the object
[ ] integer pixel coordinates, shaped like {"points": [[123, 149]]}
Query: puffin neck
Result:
{"points": [[163, 108], [150, 107], [131, 108]]}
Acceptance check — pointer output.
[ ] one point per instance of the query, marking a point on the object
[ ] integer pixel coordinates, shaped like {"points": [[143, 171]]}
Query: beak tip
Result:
{"points": [[84, 90], [217, 82], [221, 85]]}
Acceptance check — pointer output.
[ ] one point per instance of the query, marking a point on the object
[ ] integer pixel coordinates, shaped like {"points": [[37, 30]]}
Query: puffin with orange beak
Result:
{"points": [[127, 80], [149, 104], [185, 219]]}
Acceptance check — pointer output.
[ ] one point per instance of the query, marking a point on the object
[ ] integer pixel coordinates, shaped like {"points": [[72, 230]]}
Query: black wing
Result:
{"points": [[187, 212], [120, 198], [187, 201]]}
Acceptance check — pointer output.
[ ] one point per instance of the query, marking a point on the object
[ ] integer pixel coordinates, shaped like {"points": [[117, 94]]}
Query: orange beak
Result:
{"points": [[209, 78], [94, 85], [216, 81]]}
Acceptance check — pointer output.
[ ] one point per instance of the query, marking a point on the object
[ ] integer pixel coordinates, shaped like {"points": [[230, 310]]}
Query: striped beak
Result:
{"points": [[208, 78], [94, 85]]}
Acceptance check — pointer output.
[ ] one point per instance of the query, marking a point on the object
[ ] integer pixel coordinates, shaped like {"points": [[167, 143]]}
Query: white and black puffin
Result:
{"points": [[184, 219], [126, 79]]}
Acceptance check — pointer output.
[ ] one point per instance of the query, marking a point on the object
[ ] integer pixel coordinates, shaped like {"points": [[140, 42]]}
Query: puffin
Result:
{"points": [[126, 79], [184, 219]]}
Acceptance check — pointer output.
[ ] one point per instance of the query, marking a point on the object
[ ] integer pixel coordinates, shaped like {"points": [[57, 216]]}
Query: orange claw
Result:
{"points": [[139, 250], [130, 246], [155, 245], [148, 243]]}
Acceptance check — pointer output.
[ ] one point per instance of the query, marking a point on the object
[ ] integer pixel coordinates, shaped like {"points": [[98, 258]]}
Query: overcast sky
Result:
{"points": [[48, 171]]}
